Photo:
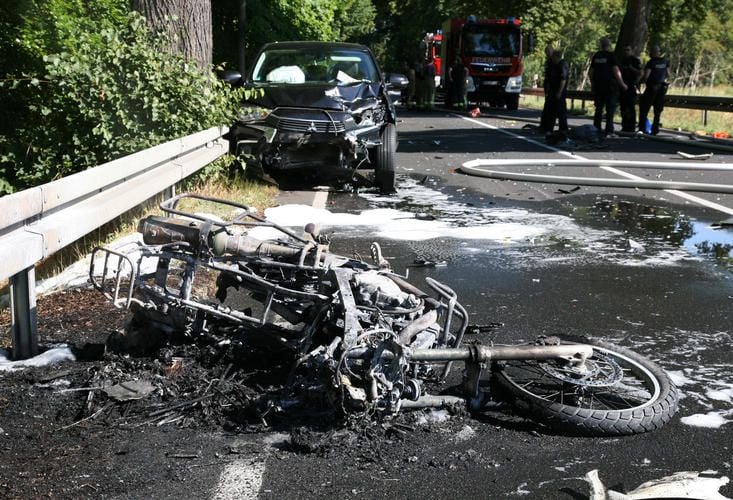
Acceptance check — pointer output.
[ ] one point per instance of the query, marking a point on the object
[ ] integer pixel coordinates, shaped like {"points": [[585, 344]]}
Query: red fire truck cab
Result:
{"points": [[491, 50]]}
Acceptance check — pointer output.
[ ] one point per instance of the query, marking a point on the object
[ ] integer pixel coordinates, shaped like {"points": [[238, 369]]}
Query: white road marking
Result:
{"points": [[320, 198], [242, 479], [680, 194]]}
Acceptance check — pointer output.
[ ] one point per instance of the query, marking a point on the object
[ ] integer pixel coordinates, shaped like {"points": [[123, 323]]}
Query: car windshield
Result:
{"points": [[490, 40], [304, 65]]}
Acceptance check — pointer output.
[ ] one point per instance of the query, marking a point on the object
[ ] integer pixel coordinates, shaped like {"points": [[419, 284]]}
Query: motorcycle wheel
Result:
{"points": [[620, 393]]}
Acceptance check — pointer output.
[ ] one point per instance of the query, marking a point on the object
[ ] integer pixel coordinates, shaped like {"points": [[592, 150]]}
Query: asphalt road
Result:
{"points": [[635, 267], [644, 269]]}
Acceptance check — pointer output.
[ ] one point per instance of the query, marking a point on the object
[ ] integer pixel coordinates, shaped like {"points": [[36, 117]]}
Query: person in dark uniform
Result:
{"points": [[457, 77], [557, 83], [656, 73], [544, 127], [630, 72], [605, 77], [429, 77]]}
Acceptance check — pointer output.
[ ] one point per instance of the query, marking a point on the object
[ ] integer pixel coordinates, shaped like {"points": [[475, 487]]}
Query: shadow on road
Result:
{"points": [[524, 122]]}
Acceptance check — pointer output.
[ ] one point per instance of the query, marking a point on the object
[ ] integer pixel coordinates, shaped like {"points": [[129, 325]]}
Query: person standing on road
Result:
{"points": [[419, 85], [557, 83], [429, 77], [605, 77], [544, 127], [408, 94], [458, 74], [630, 72], [656, 73]]}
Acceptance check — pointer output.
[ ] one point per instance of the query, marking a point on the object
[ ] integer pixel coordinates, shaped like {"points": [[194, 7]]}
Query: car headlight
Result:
{"points": [[368, 116], [365, 118], [514, 84], [253, 113]]}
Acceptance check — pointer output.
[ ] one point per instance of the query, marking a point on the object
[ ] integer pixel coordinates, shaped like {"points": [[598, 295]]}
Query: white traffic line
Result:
{"points": [[621, 173], [320, 198], [242, 478]]}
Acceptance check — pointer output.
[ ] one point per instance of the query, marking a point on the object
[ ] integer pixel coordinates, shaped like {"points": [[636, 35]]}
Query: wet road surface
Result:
{"points": [[643, 269]]}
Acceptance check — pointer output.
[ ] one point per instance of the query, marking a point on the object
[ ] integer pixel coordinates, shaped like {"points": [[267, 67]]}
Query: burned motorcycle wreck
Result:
{"points": [[363, 338]]}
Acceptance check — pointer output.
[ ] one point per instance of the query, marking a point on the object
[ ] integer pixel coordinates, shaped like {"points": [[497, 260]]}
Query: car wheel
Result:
{"points": [[384, 157], [512, 102]]}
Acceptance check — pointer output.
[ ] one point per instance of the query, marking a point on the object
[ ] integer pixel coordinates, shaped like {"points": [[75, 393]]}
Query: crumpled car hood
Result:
{"points": [[340, 98]]}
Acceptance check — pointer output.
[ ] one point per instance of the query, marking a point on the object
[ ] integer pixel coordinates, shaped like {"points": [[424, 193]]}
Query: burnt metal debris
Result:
{"points": [[360, 337]]}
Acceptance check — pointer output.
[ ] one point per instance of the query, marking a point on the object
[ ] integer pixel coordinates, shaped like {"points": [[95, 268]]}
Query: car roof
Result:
{"points": [[314, 44]]}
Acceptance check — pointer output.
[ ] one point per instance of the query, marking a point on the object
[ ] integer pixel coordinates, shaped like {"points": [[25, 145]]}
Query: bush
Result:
{"points": [[116, 91]]}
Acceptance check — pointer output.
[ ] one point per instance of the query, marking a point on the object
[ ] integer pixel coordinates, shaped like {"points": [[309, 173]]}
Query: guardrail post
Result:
{"points": [[24, 316], [705, 117]]}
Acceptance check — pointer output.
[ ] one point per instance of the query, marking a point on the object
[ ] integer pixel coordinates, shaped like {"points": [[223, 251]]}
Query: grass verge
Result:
{"points": [[231, 188]]}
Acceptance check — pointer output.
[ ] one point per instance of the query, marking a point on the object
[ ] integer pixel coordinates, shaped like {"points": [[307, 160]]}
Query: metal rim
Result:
{"points": [[626, 393]]}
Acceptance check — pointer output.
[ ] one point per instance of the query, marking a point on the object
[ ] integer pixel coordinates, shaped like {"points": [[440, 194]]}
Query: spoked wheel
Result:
{"points": [[615, 392]]}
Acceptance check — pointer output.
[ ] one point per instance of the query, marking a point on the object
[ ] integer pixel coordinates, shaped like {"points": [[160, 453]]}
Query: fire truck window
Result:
{"points": [[491, 44]]}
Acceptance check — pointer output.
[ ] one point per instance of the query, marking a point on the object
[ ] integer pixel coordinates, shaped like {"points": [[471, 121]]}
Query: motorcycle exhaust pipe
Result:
{"points": [[246, 246], [481, 354]]}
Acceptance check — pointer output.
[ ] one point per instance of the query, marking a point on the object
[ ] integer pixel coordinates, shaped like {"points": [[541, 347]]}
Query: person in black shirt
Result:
{"points": [[557, 82], [457, 75], [429, 77], [630, 72], [655, 77], [544, 126], [605, 77]]}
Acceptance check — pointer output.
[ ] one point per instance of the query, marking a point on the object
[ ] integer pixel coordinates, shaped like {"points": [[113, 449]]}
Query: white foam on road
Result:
{"points": [[705, 386], [394, 224], [418, 213], [49, 357], [711, 420]]}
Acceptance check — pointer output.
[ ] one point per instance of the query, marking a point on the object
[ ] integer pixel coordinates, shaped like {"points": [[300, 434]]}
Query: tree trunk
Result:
{"points": [[186, 22], [634, 27], [694, 78]]}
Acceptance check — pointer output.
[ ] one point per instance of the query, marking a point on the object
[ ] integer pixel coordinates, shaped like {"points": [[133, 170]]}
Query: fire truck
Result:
{"points": [[491, 50]]}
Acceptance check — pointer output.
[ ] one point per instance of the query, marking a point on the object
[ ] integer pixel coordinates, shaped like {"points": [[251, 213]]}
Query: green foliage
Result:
{"points": [[281, 20], [354, 20], [34, 28], [694, 35], [219, 171], [116, 91]]}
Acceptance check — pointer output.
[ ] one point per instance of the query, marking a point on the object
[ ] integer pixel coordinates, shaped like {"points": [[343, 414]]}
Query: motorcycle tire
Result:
{"points": [[607, 402]]}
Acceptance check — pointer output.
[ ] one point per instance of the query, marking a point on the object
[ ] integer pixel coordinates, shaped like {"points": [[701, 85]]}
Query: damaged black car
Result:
{"points": [[321, 108]]}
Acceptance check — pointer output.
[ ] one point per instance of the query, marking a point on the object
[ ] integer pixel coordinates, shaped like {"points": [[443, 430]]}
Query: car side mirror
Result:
{"points": [[232, 77], [397, 81]]}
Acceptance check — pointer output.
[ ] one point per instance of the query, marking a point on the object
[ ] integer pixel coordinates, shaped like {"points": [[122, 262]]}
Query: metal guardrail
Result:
{"points": [[702, 103], [39, 221]]}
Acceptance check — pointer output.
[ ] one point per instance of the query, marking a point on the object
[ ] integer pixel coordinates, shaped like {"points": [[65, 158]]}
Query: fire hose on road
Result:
{"points": [[489, 169]]}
